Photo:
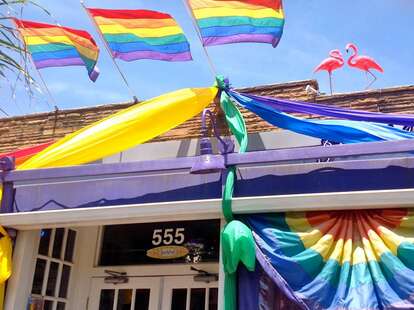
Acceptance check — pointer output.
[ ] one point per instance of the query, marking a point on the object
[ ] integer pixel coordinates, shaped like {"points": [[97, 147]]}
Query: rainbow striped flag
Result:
{"points": [[224, 22], [142, 34], [56, 46]]}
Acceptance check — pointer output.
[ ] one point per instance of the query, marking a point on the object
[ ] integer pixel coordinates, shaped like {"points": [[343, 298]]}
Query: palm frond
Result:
{"points": [[13, 53]]}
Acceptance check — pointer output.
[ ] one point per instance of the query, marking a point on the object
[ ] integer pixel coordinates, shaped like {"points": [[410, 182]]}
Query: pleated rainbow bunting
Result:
{"points": [[56, 46], [224, 21], [358, 259], [21, 155], [142, 34]]}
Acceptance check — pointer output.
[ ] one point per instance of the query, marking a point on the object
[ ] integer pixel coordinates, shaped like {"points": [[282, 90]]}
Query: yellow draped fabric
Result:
{"points": [[111, 135], [5, 262], [125, 129]]}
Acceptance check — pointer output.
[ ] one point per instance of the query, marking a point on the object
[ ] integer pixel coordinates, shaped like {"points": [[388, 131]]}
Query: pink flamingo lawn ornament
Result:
{"points": [[333, 62], [364, 63]]}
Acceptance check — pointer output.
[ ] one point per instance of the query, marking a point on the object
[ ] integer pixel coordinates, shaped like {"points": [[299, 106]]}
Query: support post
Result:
{"points": [[220, 301], [24, 261], [7, 164]]}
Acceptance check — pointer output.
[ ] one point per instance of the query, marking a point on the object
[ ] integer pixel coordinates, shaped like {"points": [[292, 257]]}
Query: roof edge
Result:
{"points": [[125, 104], [369, 92], [304, 83]]}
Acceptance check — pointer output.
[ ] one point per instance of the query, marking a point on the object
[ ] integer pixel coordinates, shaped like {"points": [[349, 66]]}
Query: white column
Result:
{"points": [[221, 272], [24, 261], [84, 261]]}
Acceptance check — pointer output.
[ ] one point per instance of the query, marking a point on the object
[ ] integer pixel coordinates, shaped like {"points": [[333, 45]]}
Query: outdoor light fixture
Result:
{"points": [[207, 162]]}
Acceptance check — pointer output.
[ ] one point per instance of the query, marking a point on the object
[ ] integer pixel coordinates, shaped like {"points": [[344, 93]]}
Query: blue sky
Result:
{"points": [[381, 29]]}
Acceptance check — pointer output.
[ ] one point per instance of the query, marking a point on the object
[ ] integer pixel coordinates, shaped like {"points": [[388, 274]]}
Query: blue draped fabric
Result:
{"points": [[289, 106], [348, 260], [342, 131]]}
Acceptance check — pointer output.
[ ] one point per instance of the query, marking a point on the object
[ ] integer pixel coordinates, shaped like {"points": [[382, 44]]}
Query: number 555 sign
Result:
{"points": [[183, 240], [168, 242], [168, 236]]}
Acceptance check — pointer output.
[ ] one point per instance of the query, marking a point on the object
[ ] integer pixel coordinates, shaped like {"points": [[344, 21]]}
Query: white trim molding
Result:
{"points": [[209, 209]]}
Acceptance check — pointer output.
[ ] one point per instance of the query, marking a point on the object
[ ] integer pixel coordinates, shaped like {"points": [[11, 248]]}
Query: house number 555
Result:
{"points": [[168, 236]]}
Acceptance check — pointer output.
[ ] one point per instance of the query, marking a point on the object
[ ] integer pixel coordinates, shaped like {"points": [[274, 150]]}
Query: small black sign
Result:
{"points": [[161, 243]]}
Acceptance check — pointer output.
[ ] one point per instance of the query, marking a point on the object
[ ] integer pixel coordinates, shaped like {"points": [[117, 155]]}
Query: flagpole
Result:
{"points": [[37, 70], [47, 88], [193, 20], [131, 92]]}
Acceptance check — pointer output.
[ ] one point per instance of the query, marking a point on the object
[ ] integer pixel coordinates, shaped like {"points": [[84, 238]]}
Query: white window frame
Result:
{"points": [[61, 262]]}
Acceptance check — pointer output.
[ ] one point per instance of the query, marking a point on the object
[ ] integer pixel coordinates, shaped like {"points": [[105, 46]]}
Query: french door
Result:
{"points": [[183, 293], [154, 293], [138, 294]]}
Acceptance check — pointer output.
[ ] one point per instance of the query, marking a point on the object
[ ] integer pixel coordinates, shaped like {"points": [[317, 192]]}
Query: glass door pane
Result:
{"points": [[106, 300], [142, 299], [179, 299], [124, 299], [197, 298], [212, 298]]}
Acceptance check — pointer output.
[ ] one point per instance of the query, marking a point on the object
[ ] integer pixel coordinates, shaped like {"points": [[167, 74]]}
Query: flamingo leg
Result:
{"points": [[330, 81], [373, 80]]}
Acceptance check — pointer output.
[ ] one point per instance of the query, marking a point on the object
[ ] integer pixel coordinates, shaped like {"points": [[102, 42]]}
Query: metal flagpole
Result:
{"points": [[45, 86], [110, 53], [193, 20], [38, 72]]}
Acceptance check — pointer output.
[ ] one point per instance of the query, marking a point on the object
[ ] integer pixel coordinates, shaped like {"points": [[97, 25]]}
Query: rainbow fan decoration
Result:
{"points": [[142, 34], [56, 46], [232, 21], [360, 259]]}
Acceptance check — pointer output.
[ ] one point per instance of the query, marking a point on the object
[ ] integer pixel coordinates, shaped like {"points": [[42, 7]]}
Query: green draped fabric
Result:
{"points": [[236, 238], [238, 246]]}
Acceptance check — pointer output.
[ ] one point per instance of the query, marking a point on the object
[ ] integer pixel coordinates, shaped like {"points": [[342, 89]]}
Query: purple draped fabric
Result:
{"points": [[248, 288], [289, 106], [264, 289], [258, 291]]}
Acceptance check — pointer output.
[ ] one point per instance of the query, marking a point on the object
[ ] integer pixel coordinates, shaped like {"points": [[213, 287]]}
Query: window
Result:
{"points": [[161, 243], [54, 263]]}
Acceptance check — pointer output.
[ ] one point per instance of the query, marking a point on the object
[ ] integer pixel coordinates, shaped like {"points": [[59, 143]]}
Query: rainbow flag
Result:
{"points": [[142, 34], [349, 260], [56, 46], [224, 22]]}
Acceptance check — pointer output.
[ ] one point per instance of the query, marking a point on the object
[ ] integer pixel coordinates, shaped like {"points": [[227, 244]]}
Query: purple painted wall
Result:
{"points": [[278, 172]]}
